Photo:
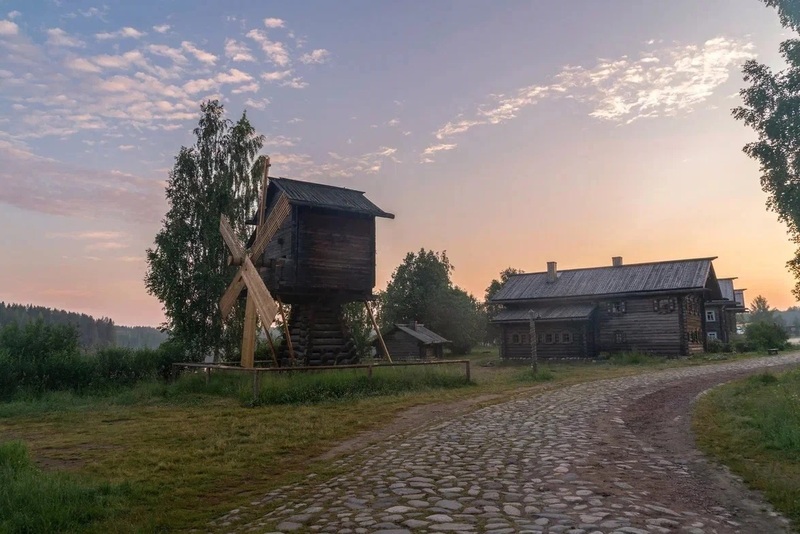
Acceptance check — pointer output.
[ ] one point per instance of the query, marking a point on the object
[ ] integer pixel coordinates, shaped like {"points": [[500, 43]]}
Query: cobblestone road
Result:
{"points": [[562, 462]]}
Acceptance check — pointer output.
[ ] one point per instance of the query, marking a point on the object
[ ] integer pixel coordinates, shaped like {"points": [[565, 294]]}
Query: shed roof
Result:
{"points": [[596, 281], [425, 335], [726, 287], [568, 312], [327, 196]]}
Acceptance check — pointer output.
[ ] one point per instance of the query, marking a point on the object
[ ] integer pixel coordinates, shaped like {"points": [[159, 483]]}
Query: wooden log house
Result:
{"points": [[720, 315], [413, 341], [656, 308]]}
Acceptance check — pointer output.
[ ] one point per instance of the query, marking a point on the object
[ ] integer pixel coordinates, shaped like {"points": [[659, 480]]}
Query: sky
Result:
{"points": [[505, 133]]}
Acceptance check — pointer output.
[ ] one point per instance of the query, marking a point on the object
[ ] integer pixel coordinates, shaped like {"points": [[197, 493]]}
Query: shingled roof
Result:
{"points": [[327, 196], [567, 312], [418, 331], [673, 275]]}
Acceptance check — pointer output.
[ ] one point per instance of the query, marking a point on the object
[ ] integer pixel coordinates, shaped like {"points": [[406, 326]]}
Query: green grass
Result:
{"points": [[191, 451], [32, 500], [635, 358], [753, 426]]}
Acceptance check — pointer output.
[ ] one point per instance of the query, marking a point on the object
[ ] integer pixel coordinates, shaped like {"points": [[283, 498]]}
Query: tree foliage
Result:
{"points": [[760, 311], [421, 290], [771, 106], [92, 333], [187, 267], [766, 335], [492, 330]]}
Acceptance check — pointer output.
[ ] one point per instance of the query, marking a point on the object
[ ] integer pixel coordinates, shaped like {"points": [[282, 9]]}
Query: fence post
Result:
{"points": [[255, 384], [467, 370], [208, 374]]}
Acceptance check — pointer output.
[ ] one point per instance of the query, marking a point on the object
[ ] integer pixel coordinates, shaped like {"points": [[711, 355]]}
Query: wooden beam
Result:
{"points": [[249, 336], [228, 235], [267, 231], [256, 290], [231, 295], [287, 335], [378, 331]]}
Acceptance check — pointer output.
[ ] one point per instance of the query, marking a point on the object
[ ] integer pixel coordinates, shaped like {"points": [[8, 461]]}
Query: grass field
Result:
{"points": [[753, 426], [190, 451]]}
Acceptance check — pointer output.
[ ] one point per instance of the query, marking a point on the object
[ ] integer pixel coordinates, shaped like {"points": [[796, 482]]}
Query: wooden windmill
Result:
{"points": [[313, 248]]}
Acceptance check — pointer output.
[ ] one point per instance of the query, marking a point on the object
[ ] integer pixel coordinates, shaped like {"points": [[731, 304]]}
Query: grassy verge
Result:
{"points": [[753, 426], [32, 500], [191, 451]]}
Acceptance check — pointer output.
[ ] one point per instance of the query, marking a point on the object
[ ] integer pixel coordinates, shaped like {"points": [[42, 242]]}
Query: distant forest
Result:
{"points": [[94, 333]]}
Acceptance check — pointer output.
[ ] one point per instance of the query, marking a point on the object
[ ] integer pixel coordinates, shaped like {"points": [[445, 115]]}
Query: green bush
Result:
{"points": [[714, 346], [765, 335], [38, 358], [35, 501], [634, 358]]}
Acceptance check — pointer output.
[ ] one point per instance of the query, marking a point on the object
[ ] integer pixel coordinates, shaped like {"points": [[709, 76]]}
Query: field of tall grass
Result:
{"points": [[753, 426]]}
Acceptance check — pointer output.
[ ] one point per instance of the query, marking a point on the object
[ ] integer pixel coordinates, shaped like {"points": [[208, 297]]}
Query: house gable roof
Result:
{"points": [[567, 312], [691, 274], [425, 335], [326, 196]]}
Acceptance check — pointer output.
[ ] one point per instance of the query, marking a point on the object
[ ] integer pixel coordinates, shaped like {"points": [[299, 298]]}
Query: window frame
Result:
{"points": [[515, 339], [567, 338], [713, 316]]}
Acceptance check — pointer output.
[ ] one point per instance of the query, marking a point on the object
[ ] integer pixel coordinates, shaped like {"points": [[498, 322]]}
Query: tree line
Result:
{"points": [[92, 334]]}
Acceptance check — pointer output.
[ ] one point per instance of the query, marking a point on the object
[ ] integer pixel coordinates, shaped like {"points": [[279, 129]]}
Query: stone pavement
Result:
{"points": [[561, 462]]}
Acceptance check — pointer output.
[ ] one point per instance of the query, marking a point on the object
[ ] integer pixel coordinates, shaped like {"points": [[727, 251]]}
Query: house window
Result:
{"points": [[664, 305], [524, 339], [566, 337], [556, 338], [539, 338], [712, 335], [619, 336], [548, 339], [711, 316], [515, 339], [616, 307]]}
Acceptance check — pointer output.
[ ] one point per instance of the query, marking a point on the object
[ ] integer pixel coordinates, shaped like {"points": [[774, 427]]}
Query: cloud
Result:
{"points": [[659, 83], [126, 147], [168, 52], [162, 28], [8, 28], [200, 55], [257, 104], [275, 76], [274, 23], [393, 122], [247, 88], [275, 51], [60, 38], [236, 51], [82, 65], [126, 32], [295, 83], [234, 76], [75, 191], [103, 235], [339, 166], [106, 245], [433, 149], [14, 14], [319, 55]]}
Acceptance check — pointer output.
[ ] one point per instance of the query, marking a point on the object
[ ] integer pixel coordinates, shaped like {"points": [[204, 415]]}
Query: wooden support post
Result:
{"points": [[271, 347], [286, 333], [208, 374], [466, 365], [532, 316], [249, 336], [378, 331]]}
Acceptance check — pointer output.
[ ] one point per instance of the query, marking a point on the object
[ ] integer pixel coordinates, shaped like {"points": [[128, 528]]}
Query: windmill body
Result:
{"points": [[314, 249]]}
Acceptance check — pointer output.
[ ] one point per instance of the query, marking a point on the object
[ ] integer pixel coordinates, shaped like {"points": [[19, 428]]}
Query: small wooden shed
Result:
{"points": [[413, 341]]}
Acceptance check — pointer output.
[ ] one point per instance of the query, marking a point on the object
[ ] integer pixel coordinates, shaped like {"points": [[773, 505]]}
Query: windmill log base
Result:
{"points": [[319, 336]]}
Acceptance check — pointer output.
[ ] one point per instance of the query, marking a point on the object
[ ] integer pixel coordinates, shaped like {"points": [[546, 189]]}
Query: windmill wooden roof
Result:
{"points": [[327, 196], [691, 274]]}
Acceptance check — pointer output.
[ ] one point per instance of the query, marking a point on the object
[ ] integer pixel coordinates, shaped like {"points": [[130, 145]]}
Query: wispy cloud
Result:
{"points": [[338, 165], [59, 38], [8, 28], [659, 83], [275, 51], [319, 55], [257, 104], [199, 54], [102, 235], [162, 28], [274, 23], [124, 33], [237, 51], [14, 14]]}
